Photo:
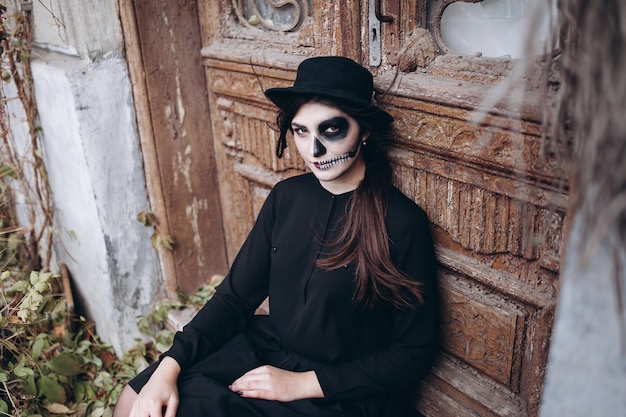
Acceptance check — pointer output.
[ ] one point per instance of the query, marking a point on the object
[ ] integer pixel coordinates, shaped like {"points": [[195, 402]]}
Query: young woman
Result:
{"points": [[347, 262]]}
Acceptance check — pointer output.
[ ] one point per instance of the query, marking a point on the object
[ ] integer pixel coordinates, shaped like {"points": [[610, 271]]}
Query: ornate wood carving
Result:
{"points": [[483, 329], [482, 220]]}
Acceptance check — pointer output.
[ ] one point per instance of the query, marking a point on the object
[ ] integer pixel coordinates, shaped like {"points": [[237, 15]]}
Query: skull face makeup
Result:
{"points": [[329, 142], [331, 130]]}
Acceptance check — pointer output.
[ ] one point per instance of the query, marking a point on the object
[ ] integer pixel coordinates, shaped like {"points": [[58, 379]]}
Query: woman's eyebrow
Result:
{"points": [[297, 126]]}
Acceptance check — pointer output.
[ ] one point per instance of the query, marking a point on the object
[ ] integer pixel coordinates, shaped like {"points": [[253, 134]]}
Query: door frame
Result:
{"points": [[194, 250]]}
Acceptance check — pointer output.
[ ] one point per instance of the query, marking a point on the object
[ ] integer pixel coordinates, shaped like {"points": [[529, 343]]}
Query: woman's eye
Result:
{"points": [[335, 128], [299, 131]]}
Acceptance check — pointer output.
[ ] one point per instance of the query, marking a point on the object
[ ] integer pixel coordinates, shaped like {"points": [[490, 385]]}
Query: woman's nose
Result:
{"points": [[318, 148]]}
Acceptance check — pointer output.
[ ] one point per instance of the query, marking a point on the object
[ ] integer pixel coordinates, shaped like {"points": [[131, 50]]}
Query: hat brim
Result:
{"points": [[282, 97]]}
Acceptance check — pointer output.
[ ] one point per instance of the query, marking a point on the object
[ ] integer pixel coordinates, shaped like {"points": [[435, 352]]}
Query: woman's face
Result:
{"points": [[329, 141]]}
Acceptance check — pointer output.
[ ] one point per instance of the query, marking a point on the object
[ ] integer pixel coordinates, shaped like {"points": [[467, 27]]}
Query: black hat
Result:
{"points": [[334, 77]]}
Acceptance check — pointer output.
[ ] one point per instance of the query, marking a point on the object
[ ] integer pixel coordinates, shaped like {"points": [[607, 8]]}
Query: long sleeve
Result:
{"points": [[412, 347], [236, 298]]}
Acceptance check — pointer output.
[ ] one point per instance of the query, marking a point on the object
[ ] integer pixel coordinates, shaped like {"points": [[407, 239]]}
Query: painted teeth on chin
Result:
{"points": [[329, 164]]}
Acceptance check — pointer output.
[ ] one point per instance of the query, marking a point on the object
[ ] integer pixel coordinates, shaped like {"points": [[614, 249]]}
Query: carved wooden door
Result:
{"points": [[495, 205]]}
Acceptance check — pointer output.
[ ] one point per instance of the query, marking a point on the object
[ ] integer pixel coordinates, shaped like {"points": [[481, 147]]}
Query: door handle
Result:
{"points": [[378, 13]]}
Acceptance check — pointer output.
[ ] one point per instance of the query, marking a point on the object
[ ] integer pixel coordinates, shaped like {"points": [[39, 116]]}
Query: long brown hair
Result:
{"points": [[590, 106], [364, 240]]}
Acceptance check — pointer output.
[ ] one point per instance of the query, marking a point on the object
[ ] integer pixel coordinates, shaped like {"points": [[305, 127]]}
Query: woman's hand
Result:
{"points": [[270, 383], [160, 391]]}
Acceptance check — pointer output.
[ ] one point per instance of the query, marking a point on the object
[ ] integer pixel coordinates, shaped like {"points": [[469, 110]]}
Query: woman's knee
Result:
{"points": [[124, 402]]}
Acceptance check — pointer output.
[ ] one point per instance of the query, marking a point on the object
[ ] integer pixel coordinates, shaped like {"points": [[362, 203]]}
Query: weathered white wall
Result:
{"points": [[587, 364], [93, 159]]}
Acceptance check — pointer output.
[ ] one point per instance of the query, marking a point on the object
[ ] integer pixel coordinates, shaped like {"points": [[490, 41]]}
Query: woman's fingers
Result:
{"points": [[155, 406], [270, 383], [172, 406], [260, 382]]}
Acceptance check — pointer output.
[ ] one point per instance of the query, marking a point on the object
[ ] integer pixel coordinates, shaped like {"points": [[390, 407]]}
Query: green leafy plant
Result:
{"points": [[48, 370], [155, 324]]}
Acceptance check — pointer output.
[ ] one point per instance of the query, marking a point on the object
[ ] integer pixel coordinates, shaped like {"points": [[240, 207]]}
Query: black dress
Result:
{"points": [[365, 360]]}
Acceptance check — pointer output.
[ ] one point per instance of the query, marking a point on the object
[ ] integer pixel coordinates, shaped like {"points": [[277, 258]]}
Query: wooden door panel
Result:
{"points": [[243, 128], [482, 328], [184, 196], [494, 200]]}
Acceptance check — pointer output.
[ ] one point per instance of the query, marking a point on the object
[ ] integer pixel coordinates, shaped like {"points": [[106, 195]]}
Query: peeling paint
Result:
{"points": [[182, 165], [180, 107], [192, 211], [179, 102]]}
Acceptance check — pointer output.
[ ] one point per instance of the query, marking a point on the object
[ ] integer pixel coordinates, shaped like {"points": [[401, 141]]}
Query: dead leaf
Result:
{"points": [[57, 408]]}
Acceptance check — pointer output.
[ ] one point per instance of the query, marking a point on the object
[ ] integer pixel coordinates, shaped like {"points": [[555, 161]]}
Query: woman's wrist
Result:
{"points": [[168, 369], [312, 385]]}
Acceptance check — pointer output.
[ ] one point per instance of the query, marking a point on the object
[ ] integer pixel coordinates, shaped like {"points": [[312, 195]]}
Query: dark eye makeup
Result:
{"points": [[335, 128]]}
